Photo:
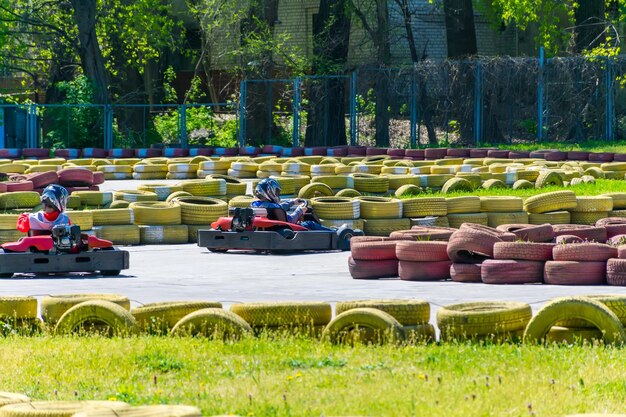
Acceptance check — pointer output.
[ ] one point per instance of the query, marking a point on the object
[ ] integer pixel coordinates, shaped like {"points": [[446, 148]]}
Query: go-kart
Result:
{"points": [[66, 249], [267, 230]]}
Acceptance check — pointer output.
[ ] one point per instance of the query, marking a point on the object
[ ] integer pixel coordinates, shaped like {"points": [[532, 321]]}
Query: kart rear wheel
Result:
{"points": [[286, 233], [218, 250], [111, 272], [6, 275]]}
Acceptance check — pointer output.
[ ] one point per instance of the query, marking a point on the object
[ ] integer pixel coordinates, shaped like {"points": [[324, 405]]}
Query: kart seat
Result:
{"points": [[277, 214]]}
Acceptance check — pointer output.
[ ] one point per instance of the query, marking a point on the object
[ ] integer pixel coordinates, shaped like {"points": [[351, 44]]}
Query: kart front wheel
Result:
{"points": [[111, 272], [218, 250], [6, 275]]}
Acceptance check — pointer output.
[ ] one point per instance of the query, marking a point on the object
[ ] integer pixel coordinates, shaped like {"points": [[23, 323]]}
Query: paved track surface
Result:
{"points": [[188, 272]]}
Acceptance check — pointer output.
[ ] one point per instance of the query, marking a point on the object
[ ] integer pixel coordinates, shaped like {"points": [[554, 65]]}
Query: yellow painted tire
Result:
{"points": [[582, 308], [82, 218], [284, 313], [384, 227], [212, 323], [553, 217], [552, 201], [332, 208], [234, 185], [171, 234], [7, 398], [8, 221], [200, 210], [407, 312], [120, 216], [427, 206], [156, 213], [161, 317], [380, 207], [547, 179], [134, 195], [18, 307], [54, 306], [315, 189], [161, 190], [482, 318], [119, 234], [205, 187], [92, 314], [456, 184], [363, 325], [464, 204], [19, 199], [161, 410], [501, 204], [408, 190], [94, 198], [348, 192], [57, 408]]}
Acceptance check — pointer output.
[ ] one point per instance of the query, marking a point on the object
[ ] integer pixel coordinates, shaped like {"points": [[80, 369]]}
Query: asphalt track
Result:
{"points": [[189, 272]]}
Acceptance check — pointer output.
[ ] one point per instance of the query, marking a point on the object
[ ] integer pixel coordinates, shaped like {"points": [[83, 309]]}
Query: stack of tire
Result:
{"points": [[423, 260], [181, 168], [159, 222], [150, 169], [337, 211], [382, 215], [469, 247], [373, 257]]}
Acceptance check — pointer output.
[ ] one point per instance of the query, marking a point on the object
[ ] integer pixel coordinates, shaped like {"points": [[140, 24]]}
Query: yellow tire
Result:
{"points": [[156, 213]]}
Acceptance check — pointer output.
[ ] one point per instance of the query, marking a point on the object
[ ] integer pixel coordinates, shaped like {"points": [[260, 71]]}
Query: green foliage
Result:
{"points": [[79, 124], [367, 104]]}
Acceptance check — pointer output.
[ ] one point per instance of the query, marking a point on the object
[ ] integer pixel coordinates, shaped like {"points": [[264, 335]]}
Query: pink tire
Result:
{"points": [[421, 251], [373, 250], [424, 271], [523, 251], [43, 179], [465, 272], [38, 153], [589, 233], [616, 272], [19, 186], [372, 269], [75, 177], [506, 271], [98, 178], [426, 233], [584, 252], [574, 273], [566, 239], [471, 246], [529, 232]]}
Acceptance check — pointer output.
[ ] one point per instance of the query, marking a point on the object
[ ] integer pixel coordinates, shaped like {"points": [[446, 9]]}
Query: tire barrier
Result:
{"points": [[54, 306], [200, 210], [101, 316], [161, 317], [156, 213]]}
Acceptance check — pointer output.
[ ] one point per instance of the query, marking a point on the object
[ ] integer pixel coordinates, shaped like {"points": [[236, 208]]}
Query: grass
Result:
{"points": [[301, 377], [601, 186], [586, 146]]}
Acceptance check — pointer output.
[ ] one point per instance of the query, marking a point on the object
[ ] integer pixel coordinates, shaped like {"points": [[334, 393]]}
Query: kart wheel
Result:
{"points": [[6, 275], [218, 250], [111, 272], [286, 233]]}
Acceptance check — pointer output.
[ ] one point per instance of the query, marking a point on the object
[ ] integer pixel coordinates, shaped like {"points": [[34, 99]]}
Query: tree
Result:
{"points": [[326, 112], [460, 28], [377, 27]]}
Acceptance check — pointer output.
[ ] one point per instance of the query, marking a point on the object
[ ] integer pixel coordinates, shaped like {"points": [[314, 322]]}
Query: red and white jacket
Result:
{"points": [[41, 221]]}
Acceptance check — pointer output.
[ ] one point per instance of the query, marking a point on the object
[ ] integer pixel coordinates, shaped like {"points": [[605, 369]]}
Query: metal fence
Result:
{"points": [[491, 100]]}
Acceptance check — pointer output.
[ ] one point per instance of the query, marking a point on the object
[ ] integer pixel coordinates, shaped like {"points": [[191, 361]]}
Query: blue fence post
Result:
{"points": [[353, 108], [108, 126], [242, 113], [540, 94], [478, 104], [183, 126], [296, 112], [608, 126], [413, 109], [31, 126]]}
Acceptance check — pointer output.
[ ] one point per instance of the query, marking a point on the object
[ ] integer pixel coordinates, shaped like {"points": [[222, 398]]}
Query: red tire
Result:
{"points": [[421, 251], [504, 236], [590, 233], [556, 156], [471, 246], [498, 153], [465, 272], [519, 154], [357, 150], [478, 153], [43, 179], [148, 152], [584, 252], [435, 153], [71, 153], [372, 269], [459, 152], [373, 250], [3, 187], [529, 232], [19, 186], [508, 271], [425, 233], [424, 271], [565, 239], [523, 251], [395, 153], [175, 152], [574, 273], [616, 272], [36, 153], [75, 177], [98, 178], [601, 156], [577, 156], [94, 153], [416, 154]]}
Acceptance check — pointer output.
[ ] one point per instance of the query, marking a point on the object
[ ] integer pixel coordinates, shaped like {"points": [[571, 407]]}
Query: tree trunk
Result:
{"points": [[381, 86], [460, 30], [589, 29], [326, 125], [89, 51], [259, 121]]}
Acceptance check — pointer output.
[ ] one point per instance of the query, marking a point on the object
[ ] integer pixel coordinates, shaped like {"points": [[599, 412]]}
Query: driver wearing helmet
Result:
{"points": [[268, 193], [54, 201]]}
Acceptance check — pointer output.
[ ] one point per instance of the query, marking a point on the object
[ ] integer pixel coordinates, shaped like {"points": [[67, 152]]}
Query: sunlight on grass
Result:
{"points": [[302, 377], [587, 146]]}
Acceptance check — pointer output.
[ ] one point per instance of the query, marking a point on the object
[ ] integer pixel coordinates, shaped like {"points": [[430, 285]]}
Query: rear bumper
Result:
{"points": [[266, 240]]}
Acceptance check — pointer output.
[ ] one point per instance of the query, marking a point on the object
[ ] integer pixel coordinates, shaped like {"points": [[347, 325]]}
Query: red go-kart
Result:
{"points": [[65, 249], [268, 230]]}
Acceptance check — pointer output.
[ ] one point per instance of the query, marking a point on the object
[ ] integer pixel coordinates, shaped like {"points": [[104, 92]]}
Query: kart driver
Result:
{"points": [[54, 201], [268, 193]]}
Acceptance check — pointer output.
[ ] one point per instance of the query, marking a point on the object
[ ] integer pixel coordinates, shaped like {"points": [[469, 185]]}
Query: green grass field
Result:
{"points": [[301, 377], [587, 146]]}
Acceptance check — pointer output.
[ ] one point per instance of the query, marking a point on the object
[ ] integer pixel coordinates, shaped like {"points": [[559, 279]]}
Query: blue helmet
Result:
{"points": [[268, 189], [55, 196]]}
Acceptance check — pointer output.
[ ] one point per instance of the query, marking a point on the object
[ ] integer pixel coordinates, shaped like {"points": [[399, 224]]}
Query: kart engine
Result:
{"points": [[66, 237], [242, 219]]}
